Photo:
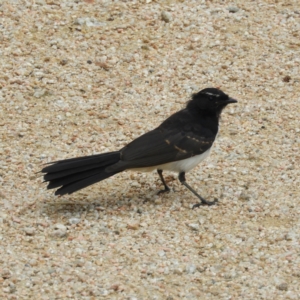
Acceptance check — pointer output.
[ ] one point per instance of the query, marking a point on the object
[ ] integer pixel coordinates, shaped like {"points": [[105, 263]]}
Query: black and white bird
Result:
{"points": [[179, 144]]}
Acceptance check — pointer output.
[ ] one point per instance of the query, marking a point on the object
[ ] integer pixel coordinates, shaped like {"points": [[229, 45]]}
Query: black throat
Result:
{"points": [[205, 113]]}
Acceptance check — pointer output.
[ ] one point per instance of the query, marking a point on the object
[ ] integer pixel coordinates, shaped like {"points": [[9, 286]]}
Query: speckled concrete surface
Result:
{"points": [[83, 77]]}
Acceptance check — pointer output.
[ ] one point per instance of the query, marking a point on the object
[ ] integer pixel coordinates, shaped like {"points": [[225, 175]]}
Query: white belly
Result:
{"points": [[184, 165]]}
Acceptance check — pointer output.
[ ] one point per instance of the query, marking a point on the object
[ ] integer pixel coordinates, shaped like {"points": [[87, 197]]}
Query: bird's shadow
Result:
{"points": [[98, 200], [94, 206]]}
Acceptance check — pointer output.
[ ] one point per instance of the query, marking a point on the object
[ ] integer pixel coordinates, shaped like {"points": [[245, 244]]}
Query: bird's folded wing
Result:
{"points": [[163, 145]]}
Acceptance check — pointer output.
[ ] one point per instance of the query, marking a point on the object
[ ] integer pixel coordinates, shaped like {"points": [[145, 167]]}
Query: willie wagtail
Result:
{"points": [[179, 144]]}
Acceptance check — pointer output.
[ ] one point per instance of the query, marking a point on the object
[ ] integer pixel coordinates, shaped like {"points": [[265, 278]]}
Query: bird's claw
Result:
{"points": [[205, 202], [163, 191]]}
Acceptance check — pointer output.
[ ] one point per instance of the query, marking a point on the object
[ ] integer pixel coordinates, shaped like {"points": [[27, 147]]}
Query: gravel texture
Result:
{"points": [[83, 77]]}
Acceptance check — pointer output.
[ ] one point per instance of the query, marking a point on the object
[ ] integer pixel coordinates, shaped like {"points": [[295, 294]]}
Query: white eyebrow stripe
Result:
{"points": [[211, 94]]}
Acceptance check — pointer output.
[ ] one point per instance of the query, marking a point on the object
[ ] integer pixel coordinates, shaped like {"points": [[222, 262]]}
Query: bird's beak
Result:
{"points": [[231, 100]]}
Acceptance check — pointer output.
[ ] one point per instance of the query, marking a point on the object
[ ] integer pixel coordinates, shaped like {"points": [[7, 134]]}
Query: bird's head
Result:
{"points": [[210, 99]]}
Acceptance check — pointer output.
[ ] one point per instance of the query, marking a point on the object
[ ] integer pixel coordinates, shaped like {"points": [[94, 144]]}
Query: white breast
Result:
{"points": [[183, 165]]}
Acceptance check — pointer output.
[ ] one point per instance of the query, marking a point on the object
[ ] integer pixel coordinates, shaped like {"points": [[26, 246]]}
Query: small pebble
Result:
{"points": [[282, 286], [63, 62], [12, 288], [33, 262], [161, 253], [39, 93], [166, 16], [191, 269], [73, 221], [30, 231], [114, 287], [6, 273], [133, 225], [89, 22], [60, 230], [233, 9], [79, 263], [202, 220], [178, 271], [194, 226]]}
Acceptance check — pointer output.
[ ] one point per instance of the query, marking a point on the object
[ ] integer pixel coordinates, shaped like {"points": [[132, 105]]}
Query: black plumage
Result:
{"points": [[178, 144]]}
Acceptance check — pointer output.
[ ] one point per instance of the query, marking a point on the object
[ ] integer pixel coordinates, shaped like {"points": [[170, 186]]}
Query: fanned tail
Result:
{"points": [[74, 174]]}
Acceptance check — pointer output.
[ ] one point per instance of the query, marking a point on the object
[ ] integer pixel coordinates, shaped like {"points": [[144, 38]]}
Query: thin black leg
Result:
{"points": [[167, 189], [181, 178]]}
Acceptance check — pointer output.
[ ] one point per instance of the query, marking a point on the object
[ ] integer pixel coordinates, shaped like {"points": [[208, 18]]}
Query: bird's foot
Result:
{"points": [[205, 202]]}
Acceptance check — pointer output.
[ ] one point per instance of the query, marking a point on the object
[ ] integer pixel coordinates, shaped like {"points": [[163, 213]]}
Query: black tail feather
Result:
{"points": [[105, 159], [77, 173], [54, 183], [63, 173], [82, 183]]}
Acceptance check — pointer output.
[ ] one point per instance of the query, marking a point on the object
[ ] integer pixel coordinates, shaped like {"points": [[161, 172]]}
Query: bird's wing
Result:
{"points": [[177, 138]]}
